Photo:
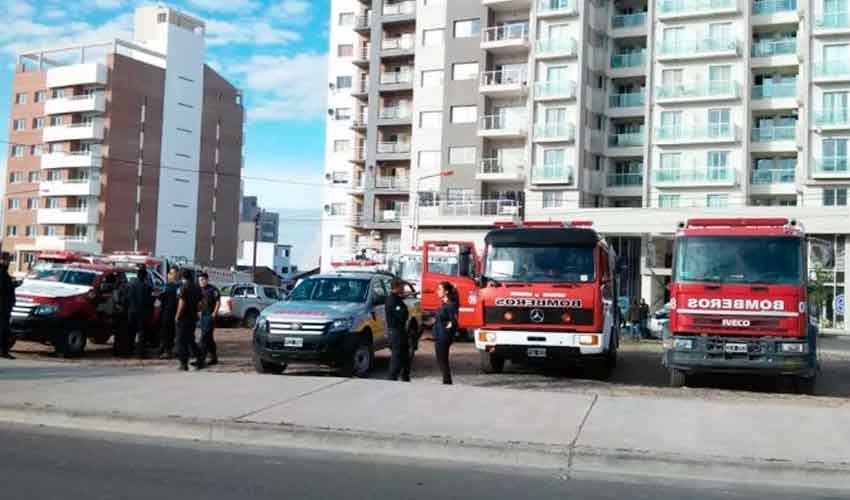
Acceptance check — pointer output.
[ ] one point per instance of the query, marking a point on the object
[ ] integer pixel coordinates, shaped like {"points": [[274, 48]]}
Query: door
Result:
{"points": [[835, 154], [719, 122], [835, 107], [457, 263], [378, 296], [719, 79]]}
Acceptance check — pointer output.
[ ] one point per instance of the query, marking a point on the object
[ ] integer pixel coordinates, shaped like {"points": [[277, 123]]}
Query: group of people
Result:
{"points": [[638, 319], [444, 329], [7, 301]]}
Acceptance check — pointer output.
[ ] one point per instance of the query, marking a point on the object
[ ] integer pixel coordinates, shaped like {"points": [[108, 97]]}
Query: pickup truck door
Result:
{"points": [[378, 296], [458, 270]]}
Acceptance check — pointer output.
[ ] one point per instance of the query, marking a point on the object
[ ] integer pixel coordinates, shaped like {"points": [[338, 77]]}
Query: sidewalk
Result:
{"points": [[577, 433]]}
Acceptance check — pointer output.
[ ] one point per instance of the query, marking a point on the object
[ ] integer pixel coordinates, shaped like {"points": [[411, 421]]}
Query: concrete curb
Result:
{"points": [[570, 460]]}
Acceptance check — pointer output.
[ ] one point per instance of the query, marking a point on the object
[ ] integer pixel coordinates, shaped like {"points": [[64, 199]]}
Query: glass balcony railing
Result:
{"points": [[628, 20], [497, 166], [629, 140], [631, 60], [832, 165], [692, 6], [625, 179], [552, 174], [547, 46], [769, 48], [631, 100], [766, 176], [771, 134], [395, 113], [775, 90], [697, 175], [838, 116], [833, 20], [551, 6], [832, 69], [503, 123], [702, 46], [686, 134], [766, 7], [507, 32], [554, 131], [497, 78], [710, 89], [557, 88]]}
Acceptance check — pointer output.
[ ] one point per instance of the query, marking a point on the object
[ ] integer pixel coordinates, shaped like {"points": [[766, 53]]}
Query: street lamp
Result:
{"points": [[446, 173]]}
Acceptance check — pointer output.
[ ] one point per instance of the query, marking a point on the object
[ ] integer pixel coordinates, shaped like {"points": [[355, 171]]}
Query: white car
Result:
{"points": [[658, 321]]}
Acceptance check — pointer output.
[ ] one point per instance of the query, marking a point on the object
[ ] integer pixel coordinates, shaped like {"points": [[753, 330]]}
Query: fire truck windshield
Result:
{"points": [[538, 264], [739, 259]]}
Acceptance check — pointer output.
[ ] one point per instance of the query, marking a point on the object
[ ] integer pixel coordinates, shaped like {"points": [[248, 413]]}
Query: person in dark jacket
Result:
{"points": [[7, 301], [167, 325], [186, 317], [209, 312], [445, 328], [644, 319], [397, 316], [138, 308], [633, 317]]}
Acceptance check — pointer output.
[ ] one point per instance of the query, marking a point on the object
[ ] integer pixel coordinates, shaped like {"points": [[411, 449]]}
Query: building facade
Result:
{"points": [[125, 146], [446, 117]]}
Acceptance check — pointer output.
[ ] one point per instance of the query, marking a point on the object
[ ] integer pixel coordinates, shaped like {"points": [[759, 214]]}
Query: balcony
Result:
{"points": [[831, 167], [832, 23], [82, 159], [629, 60], [774, 134], [506, 82], [554, 90], [550, 8], [625, 21], [396, 80], [392, 183], [360, 90], [774, 96], [698, 49], [399, 11], [833, 119], [507, 5], [360, 122], [552, 174], [362, 23], [668, 136], [389, 151], [631, 100], [556, 47], [68, 243], [772, 48], [769, 176], [77, 74], [84, 131], [362, 56], [395, 115], [93, 103], [74, 215], [70, 187], [496, 170], [696, 92], [554, 132], [695, 176], [625, 179], [397, 47], [503, 126], [831, 71], [505, 39], [675, 9], [464, 212], [627, 140], [771, 7], [390, 215]]}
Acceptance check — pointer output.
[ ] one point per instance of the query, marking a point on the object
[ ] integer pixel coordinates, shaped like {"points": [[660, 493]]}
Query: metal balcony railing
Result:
{"points": [[395, 113], [630, 60], [625, 179], [392, 182], [404, 43], [400, 8], [393, 147], [837, 116], [710, 89], [628, 20], [503, 77], [630, 100], [503, 122], [768, 48], [497, 166], [397, 77], [767, 176], [771, 134], [763, 7], [776, 90]]}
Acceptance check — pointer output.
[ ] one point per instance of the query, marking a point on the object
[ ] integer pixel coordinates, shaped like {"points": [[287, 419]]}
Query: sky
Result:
{"points": [[274, 50]]}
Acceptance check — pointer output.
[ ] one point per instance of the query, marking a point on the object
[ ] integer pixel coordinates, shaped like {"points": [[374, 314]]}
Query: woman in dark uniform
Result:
{"points": [[445, 327]]}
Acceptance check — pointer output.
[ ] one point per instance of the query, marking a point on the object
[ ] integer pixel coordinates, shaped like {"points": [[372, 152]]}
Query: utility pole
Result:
{"points": [[256, 238]]}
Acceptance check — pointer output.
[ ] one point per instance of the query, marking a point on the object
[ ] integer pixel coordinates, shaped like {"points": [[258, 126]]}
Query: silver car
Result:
{"points": [[242, 303]]}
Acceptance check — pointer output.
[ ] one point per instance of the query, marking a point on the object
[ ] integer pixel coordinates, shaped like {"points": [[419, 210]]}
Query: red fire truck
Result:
{"points": [[545, 294], [738, 301]]}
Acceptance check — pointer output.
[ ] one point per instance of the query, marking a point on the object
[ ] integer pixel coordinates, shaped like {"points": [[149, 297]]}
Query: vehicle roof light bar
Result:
{"points": [[739, 222]]}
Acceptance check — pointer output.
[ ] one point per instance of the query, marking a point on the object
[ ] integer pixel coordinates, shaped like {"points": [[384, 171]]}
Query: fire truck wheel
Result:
{"points": [[678, 378], [805, 385], [490, 363], [75, 343]]}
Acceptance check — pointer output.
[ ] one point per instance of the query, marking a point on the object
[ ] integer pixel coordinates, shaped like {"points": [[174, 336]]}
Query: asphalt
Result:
{"points": [[49, 464]]}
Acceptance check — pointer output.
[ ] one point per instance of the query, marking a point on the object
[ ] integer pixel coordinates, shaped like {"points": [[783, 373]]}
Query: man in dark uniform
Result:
{"points": [[397, 315], [168, 304], [209, 312], [7, 301], [186, 317], [138, 308]]}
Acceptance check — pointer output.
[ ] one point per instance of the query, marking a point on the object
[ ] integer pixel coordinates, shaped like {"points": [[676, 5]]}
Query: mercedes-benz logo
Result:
{"points": [[537, 315]]}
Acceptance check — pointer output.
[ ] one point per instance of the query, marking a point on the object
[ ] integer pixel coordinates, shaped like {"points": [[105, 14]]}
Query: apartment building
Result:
{"points": [[634, 114], [125, 145]]}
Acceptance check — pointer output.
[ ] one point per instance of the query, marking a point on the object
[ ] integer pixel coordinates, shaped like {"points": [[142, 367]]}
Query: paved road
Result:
{"points": [[48, 464]]}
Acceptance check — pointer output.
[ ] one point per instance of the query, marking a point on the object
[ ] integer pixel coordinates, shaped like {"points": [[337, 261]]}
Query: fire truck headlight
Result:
{"points": [[683, 344], [486, 337], [589, 340], [794, 348]]}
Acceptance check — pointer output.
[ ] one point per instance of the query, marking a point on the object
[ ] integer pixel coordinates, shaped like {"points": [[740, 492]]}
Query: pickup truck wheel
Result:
{"points": [[268, 368], [75, 343], [678, 378], [250, 319], [490, 363], [361, 360]]}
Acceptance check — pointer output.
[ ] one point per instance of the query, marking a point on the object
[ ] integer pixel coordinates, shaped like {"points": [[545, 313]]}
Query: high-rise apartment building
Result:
{"points": [[125, 146], [447, 116]]}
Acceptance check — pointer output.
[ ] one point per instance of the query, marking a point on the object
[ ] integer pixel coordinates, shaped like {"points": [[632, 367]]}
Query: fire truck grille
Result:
{"points": [[540, 316], [715, 324]]}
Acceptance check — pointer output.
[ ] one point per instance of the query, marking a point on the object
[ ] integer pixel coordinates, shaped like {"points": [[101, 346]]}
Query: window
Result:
{"points": [[343, 82], [38, 123], [337, 209], [342, 146], [20, 98], [30, 231], [54, 175], [717, 164], [19, 124], [55, 121], [11, 231], [717, 201], [340, 177], [34, 176], [459, 196], [432, 37], [464, 155], [835, 153], [41, 96], [36, 150], [835, 197], [467, 28], [337, 240], [553, 199], [464, 114], [58, 93], [465, 71], [162, 17], [346, 18], [18, 151], [429, 159], [32, 203], [16, 177], [430, 119], [342, 114], [432, 78], [51, 203], [14, 204], [668, 201], [345, 50]]}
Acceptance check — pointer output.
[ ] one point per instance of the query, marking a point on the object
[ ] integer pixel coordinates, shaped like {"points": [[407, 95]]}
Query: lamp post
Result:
{"points": [[446, 173]]}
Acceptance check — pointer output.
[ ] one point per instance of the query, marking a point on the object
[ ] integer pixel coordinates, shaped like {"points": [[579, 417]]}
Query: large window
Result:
{"points": [[465, 71], [345, 50], [835, 197], [669, 200], [464, 114], [342, 146], [717, 200], [553, 199], [756, 260], [467, 28], [343, 82], [342, 114], [346, 18]]}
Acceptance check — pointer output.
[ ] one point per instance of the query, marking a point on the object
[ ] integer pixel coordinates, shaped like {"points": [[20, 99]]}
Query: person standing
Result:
{"points": [[445, 327], [7, 301], [210, 297], [644, 319], [634, 320], [138, 308], [397, 316], [186, 318], [167, 325]]}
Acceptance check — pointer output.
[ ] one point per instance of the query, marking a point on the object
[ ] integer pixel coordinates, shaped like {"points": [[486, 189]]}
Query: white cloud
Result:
{"points": [[106, 4], [248, 32], [225, 5], [289, 8], [23, 35], [55, 14]]}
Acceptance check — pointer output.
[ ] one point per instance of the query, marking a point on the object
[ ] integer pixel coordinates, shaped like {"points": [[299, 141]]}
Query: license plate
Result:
{"points": [[293, 342], [736, 348], [536, 352]]}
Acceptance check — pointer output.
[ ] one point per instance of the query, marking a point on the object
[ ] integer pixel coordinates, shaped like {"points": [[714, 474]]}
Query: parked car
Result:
{"points": [[243, 302], [659, 321], [333, 319]]}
